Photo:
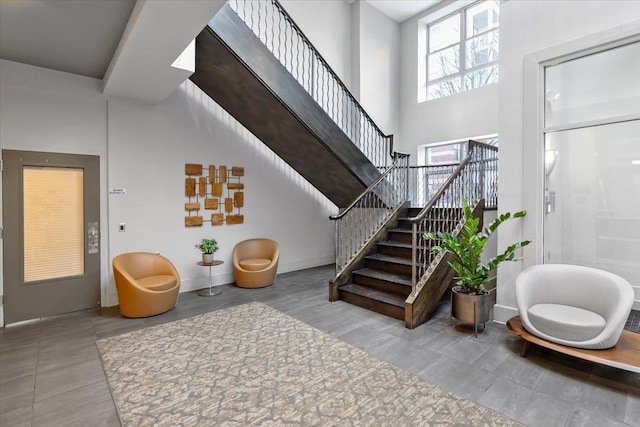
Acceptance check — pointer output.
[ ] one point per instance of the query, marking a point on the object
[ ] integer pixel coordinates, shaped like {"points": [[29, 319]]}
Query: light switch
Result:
{"points": [[122, 227]]}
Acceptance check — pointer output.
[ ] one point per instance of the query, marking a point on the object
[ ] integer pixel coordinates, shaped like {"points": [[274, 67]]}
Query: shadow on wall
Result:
{"points": [[208, 115]]}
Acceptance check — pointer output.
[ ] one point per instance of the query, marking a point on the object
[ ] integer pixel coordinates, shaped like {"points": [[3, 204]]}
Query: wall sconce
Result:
{"points": [[550, 159], [551, 96]]}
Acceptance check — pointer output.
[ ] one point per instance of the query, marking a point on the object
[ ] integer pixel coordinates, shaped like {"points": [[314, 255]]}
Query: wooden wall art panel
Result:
{"points": [[211, 204], [218, 190], [191, 169], [235, 219], [190, 187], [193, 221], [238, 199]]}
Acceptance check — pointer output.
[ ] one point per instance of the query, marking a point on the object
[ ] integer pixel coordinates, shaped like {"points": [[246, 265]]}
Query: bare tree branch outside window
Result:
{"points": [[448, 71]]}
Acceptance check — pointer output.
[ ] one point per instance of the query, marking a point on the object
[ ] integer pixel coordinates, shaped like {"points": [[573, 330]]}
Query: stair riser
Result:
{"points": [[434, 224], [389, 267], [403, 223], [395, 236], [373, 305], [382, 285], [395, 251]]}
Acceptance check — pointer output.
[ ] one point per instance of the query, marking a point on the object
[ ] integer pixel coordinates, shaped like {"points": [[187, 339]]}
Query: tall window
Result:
{"points": [[449, 152], [462, 50]]}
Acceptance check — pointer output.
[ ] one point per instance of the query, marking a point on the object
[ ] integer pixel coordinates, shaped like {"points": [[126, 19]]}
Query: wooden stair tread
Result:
{"points": [[383, 275], [374, 294], [388, 258], [400, 230], [395, 244]]}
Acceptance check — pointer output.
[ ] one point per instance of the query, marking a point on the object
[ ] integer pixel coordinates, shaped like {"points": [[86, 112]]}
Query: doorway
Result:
{"points": [[51, 244], [592, 162]]}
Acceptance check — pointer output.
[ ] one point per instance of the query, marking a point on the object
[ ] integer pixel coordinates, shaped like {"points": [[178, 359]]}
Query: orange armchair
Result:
{"points": [[255, 263], [147, 284]]}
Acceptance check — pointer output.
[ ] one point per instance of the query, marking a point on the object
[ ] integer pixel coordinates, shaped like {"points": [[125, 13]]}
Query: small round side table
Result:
{"points": [[209, 292]]}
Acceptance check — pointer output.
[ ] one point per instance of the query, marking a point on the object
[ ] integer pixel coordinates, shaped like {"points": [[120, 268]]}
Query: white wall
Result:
{"points": [[460, 116], [327, 23], [143, 148], [148, 147], [376, 74], [527, 27], [45, 110]]}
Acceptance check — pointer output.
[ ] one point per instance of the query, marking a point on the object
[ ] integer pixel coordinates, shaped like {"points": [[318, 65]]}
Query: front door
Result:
{"points": [[51, 252]]}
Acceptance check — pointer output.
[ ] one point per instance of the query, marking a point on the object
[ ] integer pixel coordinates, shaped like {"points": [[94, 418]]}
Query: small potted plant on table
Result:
{"points": [[469, 298], [208, 247]]}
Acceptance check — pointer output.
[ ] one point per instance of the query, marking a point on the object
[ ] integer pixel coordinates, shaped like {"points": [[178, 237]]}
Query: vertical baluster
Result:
{"points": [[298, 58], [251, 16]]}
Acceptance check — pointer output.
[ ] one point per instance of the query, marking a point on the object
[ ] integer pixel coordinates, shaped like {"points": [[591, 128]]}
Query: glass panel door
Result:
{"points": [[592, 162], [592, 205]]}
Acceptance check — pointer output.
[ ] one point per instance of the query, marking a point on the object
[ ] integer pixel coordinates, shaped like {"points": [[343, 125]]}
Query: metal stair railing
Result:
{"points": [[280, 34], [356, 224], [425, 181], [475, 178]]}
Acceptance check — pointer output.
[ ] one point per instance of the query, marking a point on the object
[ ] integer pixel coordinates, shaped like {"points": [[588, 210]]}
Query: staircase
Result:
{"points": [[384, 282], [255, 62], [394, 272]]}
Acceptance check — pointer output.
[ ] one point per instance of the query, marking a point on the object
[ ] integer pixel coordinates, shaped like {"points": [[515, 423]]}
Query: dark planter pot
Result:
{"points": [[470, 308]]}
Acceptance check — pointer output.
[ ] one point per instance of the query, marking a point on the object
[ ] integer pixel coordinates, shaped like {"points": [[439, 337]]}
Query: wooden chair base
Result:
{"points": [[625, 355]]}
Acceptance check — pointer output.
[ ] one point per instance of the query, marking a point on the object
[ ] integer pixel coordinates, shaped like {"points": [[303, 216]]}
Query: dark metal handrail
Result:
{"points": [[286, 41], [358, 223], [326, 64], [422, 214], [397, 156], [471, 180]]}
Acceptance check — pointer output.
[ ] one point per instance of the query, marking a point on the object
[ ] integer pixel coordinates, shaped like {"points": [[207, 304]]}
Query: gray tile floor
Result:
{"points": [[51, 375]]}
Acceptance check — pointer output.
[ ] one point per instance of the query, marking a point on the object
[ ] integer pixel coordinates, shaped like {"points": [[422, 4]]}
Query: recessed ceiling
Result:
{"points": [[74, 36], [401, 10]]}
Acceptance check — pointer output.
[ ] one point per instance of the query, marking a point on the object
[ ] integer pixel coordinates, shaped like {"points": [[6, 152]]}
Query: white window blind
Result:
{"points": [[53, 223]]}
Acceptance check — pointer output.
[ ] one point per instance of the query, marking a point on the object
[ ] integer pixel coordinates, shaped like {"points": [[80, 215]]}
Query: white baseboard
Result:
{"points": [[306, 263], [502, 313]]}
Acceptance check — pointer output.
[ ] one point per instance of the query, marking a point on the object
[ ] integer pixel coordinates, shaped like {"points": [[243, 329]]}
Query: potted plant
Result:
{"points": [[470, 300], [208, 247]]}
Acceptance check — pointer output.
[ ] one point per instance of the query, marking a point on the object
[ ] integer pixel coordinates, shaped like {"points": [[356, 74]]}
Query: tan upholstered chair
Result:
{"points": [[147, 284], [255, 263]]}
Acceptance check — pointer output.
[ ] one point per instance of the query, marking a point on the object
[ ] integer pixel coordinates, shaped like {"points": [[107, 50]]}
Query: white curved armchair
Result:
{"points": [[573, 305]]}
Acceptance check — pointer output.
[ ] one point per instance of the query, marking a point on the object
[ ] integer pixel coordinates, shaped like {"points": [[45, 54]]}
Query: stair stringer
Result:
{"points": [[420, 306], [236, 70]]}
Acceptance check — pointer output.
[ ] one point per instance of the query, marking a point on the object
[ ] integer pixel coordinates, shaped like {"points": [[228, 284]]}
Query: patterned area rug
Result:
{"points": [[253, 365], [633, 322]]}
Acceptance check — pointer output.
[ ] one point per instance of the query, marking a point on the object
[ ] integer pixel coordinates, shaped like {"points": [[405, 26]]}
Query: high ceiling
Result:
{"points": [[401, 10], [84, 36], [78, 37]]}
